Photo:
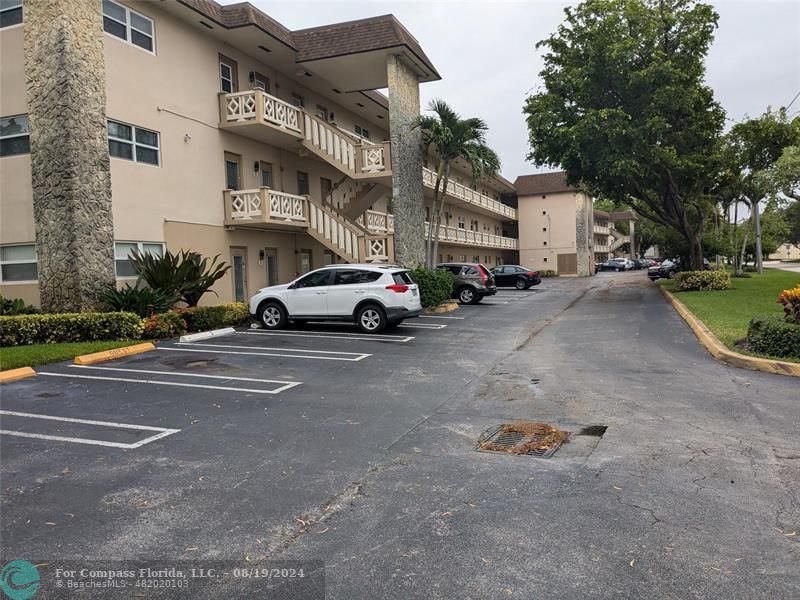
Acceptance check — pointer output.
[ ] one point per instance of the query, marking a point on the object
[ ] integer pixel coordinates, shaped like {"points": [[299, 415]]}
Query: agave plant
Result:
{"points": [[143, 301], [187, 275]]}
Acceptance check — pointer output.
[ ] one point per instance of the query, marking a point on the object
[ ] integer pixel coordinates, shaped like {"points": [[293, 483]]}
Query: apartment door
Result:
{"points": [[271, 261], [325, 186], [305, 261], [239, 269], [233, 171]]}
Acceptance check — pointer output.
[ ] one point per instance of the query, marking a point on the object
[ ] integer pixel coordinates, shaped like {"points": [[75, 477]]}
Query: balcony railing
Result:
{"points": [[602, 230], [467, 237], [258, 106], [264, 205], [462, 192], [377, 221]]}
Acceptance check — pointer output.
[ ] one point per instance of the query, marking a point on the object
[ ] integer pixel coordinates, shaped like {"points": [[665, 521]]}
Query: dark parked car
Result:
{"points": [[666, 269], [473, 281], [609, 265], [515, 276]]}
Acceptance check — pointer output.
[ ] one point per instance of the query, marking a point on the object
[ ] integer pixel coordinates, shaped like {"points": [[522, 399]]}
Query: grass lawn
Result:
{"points": [[41, 354], [728, 312]]}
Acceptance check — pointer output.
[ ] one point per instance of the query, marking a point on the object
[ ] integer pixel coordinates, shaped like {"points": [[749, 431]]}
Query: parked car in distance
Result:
{"points": [[372, 296], [473, 281], [612, 265], [666, 269], [515, 276]]}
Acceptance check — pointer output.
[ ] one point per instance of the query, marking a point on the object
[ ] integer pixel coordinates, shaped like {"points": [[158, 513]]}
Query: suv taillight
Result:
{"points": [[484, 274], [532, 273], [396, 287]]}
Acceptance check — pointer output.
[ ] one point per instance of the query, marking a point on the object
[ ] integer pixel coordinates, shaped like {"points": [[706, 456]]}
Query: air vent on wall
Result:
{"points": [[265, 49], [359, 105]]}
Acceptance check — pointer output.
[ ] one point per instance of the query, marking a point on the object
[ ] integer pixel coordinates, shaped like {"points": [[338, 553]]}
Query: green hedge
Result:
{"points": [[203, 318], [69, 327], [164, 325], [435, 285], [548, 273], [771, 335], [702, 280]]}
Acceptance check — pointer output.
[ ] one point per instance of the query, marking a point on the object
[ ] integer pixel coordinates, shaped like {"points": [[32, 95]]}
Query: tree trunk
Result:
{"points": [[434, 206], [439, 215], [757, 228], [736, 264], [696, 251]]}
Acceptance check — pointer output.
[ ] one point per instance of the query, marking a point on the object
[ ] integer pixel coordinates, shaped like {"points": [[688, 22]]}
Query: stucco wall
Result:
{"points": [[546, 228]]}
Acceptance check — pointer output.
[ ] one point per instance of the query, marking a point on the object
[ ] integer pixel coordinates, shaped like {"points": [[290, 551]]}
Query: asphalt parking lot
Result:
{"points": [[325, 444]]}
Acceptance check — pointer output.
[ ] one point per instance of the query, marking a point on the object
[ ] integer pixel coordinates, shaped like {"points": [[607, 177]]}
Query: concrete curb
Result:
{"points": [[96, 357], [16, 374], [720, 352], [444, 307], [205, 335]]}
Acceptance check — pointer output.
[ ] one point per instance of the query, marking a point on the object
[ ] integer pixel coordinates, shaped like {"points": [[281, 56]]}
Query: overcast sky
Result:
{"points": [[485, 52]]}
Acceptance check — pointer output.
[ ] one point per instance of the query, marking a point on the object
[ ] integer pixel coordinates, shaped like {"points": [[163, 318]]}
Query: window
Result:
{"points": [[361, 132], [10, 13], [325, 188], [14, 135], [476, 259], [322, 112], [228, 75], [266, 174], [302, 183], [354, 276], [259, 81], [461, 223], [126, 24], [328, 258], [399, 278], [18, 263], [305, 261], [133, 143], [315, 279], [233, 171], [297, 100], [122, 251]]}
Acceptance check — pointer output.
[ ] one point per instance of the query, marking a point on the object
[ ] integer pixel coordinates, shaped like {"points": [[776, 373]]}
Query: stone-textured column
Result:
{"points": [[65, 72], [408, 200], [583, 234], [632, 245]]}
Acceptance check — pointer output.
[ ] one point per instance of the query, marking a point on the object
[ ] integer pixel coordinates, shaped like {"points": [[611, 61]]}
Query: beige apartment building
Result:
{"points": [[226, 134], [559, 228]]}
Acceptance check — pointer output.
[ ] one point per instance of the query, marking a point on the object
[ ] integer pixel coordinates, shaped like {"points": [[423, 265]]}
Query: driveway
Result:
{"points": [[325, 445]]}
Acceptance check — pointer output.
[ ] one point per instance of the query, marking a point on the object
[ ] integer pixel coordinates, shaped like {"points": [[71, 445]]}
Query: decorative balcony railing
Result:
{"points": [[462, 192], [377, 221], [602, 229], [258, 106], [467, 237], [264, 205]]}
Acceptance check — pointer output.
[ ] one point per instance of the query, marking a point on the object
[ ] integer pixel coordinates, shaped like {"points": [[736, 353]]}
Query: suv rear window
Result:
{"points": [[471, 271], [402, 278]]}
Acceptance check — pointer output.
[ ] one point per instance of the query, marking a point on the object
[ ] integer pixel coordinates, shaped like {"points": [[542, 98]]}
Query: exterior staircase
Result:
{"points": [[619, 240]]}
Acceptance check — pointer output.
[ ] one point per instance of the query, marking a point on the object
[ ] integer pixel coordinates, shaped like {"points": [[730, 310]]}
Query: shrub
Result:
{"points": [[548, 273], [16, 306], [186, 274], [164, 325], [702, 280], [435, 285], [791, 305], [23, 330], [203, 318], [771, 335], [143, 301]]}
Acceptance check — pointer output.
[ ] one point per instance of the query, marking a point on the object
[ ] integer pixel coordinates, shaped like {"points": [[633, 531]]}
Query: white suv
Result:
{"points": [[372, 296]]}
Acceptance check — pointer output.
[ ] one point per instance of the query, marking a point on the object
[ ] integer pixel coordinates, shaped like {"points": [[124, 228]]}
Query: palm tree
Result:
{"points": [[450, 137]]}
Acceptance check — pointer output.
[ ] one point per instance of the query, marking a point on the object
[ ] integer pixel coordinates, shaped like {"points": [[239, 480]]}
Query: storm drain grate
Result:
{"points": [[500, 439]]}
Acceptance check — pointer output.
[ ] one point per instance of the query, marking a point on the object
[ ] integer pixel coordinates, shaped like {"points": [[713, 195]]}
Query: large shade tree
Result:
{"points": [[625, 111], [450, 137]]}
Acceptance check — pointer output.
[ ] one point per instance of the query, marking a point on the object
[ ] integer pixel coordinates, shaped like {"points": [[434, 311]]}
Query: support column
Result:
{"points": [[65, 73], [407, 194], [632, 234], [583, 234]]}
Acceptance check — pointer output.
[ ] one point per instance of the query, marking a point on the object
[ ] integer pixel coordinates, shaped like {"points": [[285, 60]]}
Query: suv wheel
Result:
{"points": [[617, 269], [467, 295], [521, 284], [371, 318], [272, 316]]}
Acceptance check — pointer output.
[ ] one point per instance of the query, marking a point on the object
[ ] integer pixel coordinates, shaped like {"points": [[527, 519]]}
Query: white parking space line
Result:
{"points": [[423, 326], [162, 431], [438, 317], [311, 354], [168, 383], [494, 303], [284, 385], [372, 337]]}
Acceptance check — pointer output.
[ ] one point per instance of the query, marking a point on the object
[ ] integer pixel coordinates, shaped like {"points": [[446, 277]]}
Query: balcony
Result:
{"points": [[265, 118], [474, 199], [598, 249], [265, 208], [602, 230], [377, 221], [465, 237]]}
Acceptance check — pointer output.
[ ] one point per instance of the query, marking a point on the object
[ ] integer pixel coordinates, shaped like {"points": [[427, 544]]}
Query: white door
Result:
{"points": [[309, 297], [348, 288]]}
